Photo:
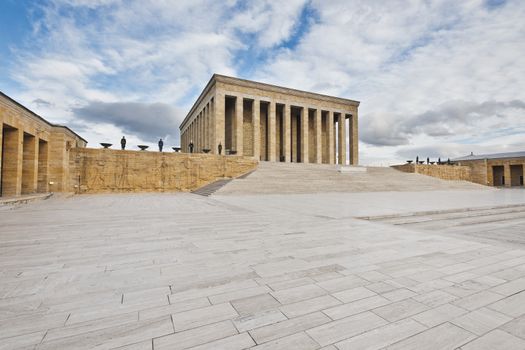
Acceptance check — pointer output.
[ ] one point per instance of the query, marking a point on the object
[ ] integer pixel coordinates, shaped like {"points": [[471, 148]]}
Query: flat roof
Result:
{"points": [[41, 118], [491, 156], [264, 86]]}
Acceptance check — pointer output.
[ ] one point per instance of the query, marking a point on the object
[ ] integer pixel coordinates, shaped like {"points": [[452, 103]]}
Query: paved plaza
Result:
{"points": [[296, 271]]}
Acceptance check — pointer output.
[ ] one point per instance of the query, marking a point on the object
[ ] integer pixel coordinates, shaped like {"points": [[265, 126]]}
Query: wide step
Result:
{"points": [[211, 188]]}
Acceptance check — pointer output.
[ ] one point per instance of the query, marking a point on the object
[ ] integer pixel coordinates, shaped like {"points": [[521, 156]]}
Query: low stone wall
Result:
{"points": [[106, 170], [445, 172]]}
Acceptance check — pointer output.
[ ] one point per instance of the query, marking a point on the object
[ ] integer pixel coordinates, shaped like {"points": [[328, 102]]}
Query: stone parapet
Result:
{"points": [[444, 172], [107, 170]]}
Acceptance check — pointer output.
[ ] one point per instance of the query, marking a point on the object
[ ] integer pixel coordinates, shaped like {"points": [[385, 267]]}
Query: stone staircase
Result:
{"points": [[209, 189], [288, 178]]}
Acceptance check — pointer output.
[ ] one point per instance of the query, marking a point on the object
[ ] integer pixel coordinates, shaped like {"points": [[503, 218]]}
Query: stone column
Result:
{"points": [[212, 127], [239, 127], [331, 137], [272, 139], [43, 169], [507, 174], [342, 139], [287, 136], [12, 162], [207, 126], [256, 121], [354, 140], [219, 105], [30, 164], [318, 137], [304, 135]]}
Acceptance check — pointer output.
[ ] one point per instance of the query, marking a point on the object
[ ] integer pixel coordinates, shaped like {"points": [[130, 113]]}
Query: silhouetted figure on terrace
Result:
{"points": [[123, 143]]}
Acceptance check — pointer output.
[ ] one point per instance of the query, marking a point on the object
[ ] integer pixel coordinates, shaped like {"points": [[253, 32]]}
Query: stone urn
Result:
{"points": [[143, 147], [106, 145], [206, 150]]}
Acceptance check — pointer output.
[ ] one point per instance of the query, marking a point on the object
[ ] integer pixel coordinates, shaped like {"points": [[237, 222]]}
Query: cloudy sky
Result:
{"points": [[435, 78]]}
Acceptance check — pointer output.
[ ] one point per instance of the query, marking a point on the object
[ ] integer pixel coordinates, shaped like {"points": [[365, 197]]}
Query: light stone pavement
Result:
{"points": [[177, 271]]}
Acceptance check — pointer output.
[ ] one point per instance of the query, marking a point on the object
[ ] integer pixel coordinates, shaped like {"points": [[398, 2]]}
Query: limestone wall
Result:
{"points": [[445, 172], [108, 170]]}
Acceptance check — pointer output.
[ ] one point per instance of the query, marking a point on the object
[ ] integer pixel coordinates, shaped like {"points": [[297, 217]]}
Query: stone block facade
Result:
{"points": [[107, 170], [271, 123], [444, 172], [507, 172], [34, 154]]}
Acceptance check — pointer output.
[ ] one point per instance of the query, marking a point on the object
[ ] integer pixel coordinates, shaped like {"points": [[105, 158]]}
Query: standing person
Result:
{"points": [[191, 146], [161, 144], [123, 143]]}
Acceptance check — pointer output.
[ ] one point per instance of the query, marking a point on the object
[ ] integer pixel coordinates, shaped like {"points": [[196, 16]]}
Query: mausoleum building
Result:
{"points": [[271, 123]]}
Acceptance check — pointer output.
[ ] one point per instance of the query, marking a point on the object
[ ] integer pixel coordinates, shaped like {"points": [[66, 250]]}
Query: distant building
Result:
{"points": [[498, 169], [272, 123]]}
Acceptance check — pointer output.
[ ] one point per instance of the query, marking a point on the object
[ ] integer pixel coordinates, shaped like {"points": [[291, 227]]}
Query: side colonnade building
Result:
{"points": [[271, 123], [34, 154]]}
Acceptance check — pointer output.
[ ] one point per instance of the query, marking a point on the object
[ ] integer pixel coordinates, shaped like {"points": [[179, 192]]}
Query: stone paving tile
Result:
{"points": [[349, 295], [114, 336], [200, 317], [21, 341], [294, 341], [399, 294], [173, 308], [339, 284], [205, 292], [143, 345], [239, 294], [475, 301], [516, 327], [510, 288], [512, 306], [399, 310], [309, 306], [292, 295], [443, 337], [335, 331], [258, 303], [495, 340], [297, 282], [356, 307], [439, 315], [29, 324], [234, 342], [381, 287], [195, 336], [481, 321], [291, 326], [89, 326], [248, 322], [435, 298], [374, 276], [383, 336]]}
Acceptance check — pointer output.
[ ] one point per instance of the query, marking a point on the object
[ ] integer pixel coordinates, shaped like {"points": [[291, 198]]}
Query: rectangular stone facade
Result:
{"points": [[445, 172], [506, 172], [107, 170], [271, 123]]}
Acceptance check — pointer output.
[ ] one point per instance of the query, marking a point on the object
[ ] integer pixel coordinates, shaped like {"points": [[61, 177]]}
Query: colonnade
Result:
{"points": [[273, 130], [24, 162]]}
